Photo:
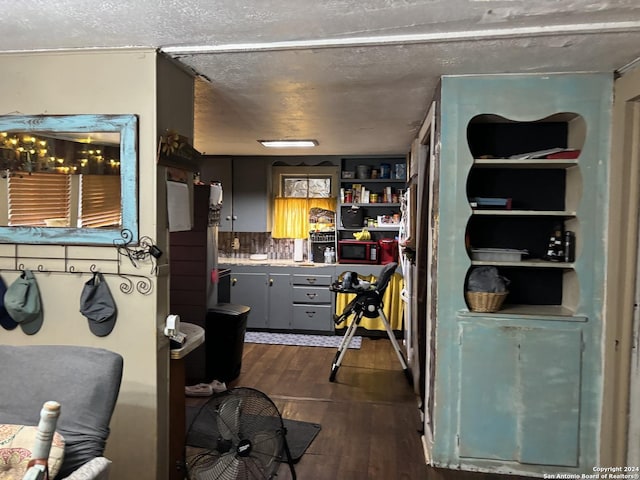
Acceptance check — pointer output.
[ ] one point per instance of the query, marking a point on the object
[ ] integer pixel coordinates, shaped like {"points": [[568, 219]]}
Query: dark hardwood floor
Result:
{"points": [[369, 415]]}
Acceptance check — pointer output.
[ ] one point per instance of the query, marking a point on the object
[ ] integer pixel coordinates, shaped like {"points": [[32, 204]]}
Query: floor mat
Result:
{"points": [[299, 436], [302, 340]]}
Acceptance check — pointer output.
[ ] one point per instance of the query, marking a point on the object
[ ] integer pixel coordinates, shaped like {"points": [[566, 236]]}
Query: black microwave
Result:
{"points": [[356, 251]]}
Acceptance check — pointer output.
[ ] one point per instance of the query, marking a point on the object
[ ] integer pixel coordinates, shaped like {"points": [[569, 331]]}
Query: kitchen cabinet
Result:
{"points": [[267, 294], [527, 378], [374, 185], [279, 297], [312, 306], [284, 298], [246, 181], [250, 289]]}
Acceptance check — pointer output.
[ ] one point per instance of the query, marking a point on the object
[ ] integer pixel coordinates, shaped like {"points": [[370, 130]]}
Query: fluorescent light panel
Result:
{"points": [[289, 143]]}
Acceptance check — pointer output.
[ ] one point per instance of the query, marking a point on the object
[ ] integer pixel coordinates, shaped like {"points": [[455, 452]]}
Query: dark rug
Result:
{"points": [[299, 434]]}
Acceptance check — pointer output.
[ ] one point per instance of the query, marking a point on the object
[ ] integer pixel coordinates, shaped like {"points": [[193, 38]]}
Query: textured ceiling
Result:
{"points": [[355, 75]]}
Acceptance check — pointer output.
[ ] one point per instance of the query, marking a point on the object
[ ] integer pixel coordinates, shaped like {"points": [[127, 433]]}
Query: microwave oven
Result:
{"points": [[356, 251]]}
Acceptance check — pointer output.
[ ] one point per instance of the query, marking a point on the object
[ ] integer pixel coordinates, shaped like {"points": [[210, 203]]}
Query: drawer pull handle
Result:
{"points": [[271, 282], [310, 314], [234, 281], [311, 280], [312, 295]]}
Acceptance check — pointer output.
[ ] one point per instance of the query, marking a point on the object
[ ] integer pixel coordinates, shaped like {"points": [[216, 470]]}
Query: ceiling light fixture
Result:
{"points": [[289, 143]]}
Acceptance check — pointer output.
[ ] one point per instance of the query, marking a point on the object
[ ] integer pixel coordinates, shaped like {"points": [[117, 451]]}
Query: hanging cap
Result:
{"points": [[97, 304], [22, 302]]}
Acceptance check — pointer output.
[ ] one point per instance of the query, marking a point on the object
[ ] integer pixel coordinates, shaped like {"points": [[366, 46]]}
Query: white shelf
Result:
{"points": [[373, 180], [525, 213], [533, 312], [377, 204], [534, 263], [371, 229], [527, 163]]}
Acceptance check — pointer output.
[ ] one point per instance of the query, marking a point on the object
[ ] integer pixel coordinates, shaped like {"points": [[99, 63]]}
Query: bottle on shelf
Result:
{"points": [[569, 246], [555, 250]]}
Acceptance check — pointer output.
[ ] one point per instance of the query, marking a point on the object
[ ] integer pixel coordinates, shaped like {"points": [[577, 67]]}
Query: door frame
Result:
{"points": [[620, 424]]}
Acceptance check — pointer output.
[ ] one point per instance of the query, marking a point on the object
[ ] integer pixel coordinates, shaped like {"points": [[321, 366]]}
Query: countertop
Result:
{"points": [[270, 262]]}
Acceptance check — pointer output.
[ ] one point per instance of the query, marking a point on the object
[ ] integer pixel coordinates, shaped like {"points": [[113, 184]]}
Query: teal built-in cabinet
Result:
{"points": [[519, 390]]}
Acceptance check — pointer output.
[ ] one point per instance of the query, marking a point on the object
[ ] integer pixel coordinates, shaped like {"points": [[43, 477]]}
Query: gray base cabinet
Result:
{"points": [[312, 301], [250, 289], [285, 298], [267, 294]]}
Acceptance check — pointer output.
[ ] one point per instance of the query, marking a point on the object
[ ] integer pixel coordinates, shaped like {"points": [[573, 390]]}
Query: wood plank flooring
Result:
{"points": [[369, 415]]}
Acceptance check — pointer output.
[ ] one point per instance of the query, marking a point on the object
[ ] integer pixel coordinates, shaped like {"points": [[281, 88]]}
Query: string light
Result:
{"points": [[27, 152]]}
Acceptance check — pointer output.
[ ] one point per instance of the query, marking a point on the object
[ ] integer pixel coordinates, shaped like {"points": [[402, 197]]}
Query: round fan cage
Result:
{"points": [[236, 435]]}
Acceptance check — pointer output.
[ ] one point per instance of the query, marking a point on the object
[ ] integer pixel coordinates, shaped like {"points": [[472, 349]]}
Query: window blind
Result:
{"points": [[100, 201], [38, 196]]}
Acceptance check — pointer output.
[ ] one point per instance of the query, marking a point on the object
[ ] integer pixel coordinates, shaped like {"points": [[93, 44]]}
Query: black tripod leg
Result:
{"points": [[344, 345]]}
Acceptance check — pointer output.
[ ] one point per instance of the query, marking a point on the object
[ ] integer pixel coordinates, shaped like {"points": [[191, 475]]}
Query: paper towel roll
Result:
{"points": [[298, 249]]}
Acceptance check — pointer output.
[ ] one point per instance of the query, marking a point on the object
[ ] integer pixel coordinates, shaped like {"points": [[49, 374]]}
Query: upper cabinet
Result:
{"points": [[523, 167], [246, 205]]}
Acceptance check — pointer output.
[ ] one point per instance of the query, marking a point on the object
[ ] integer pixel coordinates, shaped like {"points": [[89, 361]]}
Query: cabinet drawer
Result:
{"points": [[311, 295], [312, 317], [299, 279]]}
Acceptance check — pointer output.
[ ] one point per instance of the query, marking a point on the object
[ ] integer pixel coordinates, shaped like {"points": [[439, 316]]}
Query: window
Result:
{"points": [[99, 201], [298, 190], [306, 186], [39, 199], [58, 200]]}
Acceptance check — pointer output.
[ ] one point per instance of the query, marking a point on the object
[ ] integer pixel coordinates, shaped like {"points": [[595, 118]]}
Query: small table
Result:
{"points": [[177, 423]]}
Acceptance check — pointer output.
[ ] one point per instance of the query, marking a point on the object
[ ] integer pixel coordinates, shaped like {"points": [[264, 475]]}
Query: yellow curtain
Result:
{"points": [[393, 306], [291, 215]]}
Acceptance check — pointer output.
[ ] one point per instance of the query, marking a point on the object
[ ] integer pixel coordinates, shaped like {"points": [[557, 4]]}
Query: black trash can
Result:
{"points": [[225, 327]]}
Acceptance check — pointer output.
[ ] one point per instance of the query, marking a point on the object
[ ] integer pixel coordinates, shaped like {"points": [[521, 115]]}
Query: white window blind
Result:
{"points": [[39, 196], [100, 201]]}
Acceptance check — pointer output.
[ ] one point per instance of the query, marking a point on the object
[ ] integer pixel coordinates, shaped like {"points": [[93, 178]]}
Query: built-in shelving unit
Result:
{"points": [[384, 194], [527, 378], [540, 197]]}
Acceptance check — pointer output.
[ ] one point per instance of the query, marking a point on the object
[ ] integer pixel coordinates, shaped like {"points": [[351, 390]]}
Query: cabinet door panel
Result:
{"points": [[279, 290], [487, 409], [520, 394], [251, 210], [550, 373], [251, 289]]}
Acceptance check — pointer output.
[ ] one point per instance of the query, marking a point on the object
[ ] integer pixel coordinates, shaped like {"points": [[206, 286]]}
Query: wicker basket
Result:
{"points": [[485, 301]]}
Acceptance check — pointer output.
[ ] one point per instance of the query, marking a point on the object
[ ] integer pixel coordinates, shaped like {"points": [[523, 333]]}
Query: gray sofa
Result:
{"points": [[84, 380]]}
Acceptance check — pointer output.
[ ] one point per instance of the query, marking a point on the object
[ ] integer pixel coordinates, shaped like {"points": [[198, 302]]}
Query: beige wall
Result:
{"points": [[621, 267], [110, 82]]}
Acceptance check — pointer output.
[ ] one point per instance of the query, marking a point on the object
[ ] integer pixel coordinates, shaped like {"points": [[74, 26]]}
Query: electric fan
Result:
{"points": [[238, 434]]}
